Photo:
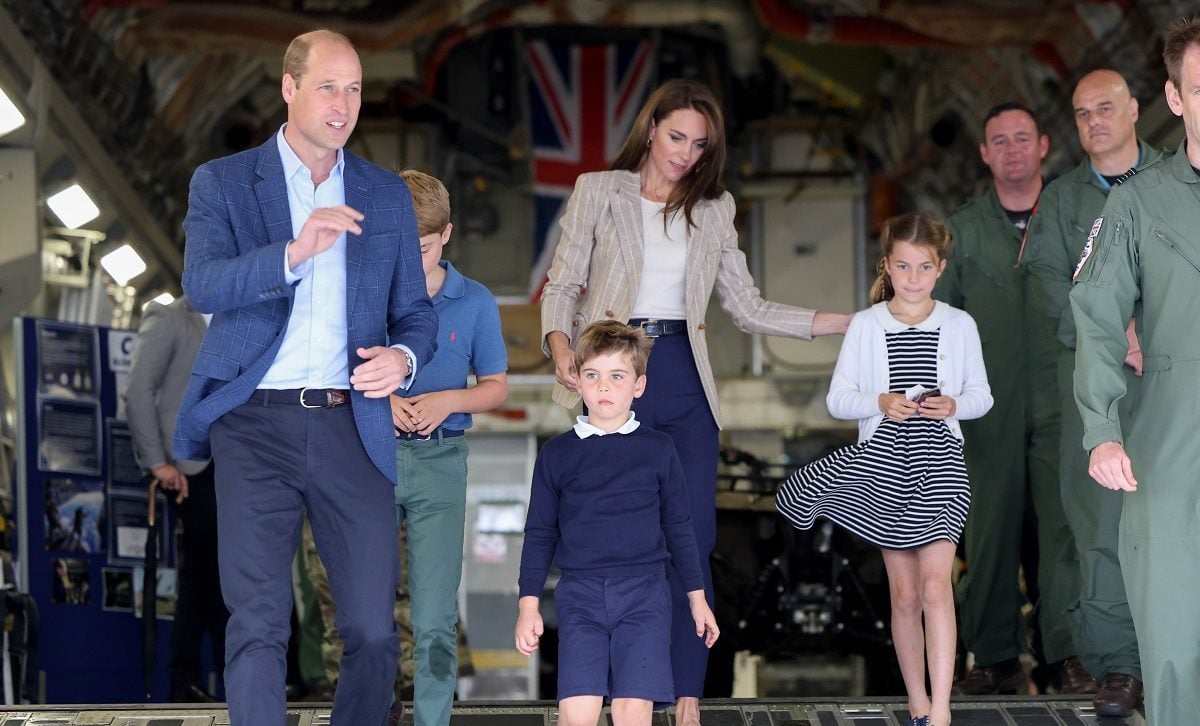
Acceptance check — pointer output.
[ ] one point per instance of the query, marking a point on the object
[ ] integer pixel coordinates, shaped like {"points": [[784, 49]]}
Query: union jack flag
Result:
{"points": [[582, 102]]}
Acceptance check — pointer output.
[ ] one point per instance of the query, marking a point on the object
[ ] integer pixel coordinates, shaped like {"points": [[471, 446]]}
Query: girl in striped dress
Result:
{"points": [[909, 369]]}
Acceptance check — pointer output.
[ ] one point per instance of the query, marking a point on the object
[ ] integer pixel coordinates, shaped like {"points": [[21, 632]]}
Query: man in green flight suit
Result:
{"points": [[1015, 446], [1105, 115], [1142, 259]]}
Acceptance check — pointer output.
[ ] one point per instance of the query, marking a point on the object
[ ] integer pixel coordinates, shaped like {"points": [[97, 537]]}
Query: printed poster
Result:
{"points": [[118, 590], [70, 581], [128, 527], [69, 437], [67, 360], [74, 515]]}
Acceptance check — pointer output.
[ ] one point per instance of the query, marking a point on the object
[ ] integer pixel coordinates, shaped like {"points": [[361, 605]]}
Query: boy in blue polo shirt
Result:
{"points": [[609, 507], [431, 451]]}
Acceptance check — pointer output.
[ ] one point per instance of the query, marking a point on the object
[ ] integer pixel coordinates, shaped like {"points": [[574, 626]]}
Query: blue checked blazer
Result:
{"points": [[237, 226]]}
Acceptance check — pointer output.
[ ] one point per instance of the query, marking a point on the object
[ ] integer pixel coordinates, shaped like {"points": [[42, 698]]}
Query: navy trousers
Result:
{"points": [[674, 403], [273, 461]]}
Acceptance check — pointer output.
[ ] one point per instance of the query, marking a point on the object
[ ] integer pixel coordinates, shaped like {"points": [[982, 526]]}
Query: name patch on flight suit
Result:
{"points": [[1088, 247]]}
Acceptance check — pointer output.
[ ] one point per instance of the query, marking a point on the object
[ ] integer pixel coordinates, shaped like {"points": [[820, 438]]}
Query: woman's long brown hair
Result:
{"points": [[703, 180]]}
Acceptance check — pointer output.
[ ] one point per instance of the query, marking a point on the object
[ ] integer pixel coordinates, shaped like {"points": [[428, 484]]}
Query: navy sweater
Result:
{"points": [[608, 506]]}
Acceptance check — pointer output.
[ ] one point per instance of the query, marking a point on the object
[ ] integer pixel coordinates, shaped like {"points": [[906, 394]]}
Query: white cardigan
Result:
{"points": [[861, 374]]}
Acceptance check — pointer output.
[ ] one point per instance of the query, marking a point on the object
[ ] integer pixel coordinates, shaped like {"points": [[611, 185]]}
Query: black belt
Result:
{"points": [[306, 397], [437, 434], [659, 328]]}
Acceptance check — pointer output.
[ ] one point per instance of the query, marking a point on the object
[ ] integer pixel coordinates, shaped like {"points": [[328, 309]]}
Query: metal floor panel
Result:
{"points": [[1016, 711]]}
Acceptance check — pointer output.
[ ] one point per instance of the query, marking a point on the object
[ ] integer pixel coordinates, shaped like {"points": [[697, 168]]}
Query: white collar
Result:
{"points": [[292, 163], [892, 325], [583, 429]]}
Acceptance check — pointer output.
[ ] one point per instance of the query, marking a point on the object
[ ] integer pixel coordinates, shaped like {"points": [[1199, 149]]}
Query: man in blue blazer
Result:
{"points": [[308, 258]]}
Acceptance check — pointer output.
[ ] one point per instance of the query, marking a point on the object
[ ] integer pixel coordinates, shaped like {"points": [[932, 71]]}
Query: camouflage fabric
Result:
{"points": [[312, 625], [331, 645]]}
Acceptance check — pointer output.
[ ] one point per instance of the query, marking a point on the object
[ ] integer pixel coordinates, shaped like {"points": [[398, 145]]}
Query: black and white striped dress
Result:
{"points": [[904, 487]]}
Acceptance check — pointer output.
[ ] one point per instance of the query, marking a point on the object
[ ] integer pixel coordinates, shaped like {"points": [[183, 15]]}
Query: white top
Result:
{"points": [[664, 260], [862, 374]]}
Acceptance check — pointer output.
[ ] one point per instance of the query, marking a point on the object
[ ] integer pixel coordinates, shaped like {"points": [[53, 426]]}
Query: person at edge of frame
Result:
{"points": [[1142, 260]]}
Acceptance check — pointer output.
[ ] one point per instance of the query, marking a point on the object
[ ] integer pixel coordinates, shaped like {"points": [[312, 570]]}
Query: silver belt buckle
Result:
{"points": [[302, 403], [333, 398], [646, 325]]}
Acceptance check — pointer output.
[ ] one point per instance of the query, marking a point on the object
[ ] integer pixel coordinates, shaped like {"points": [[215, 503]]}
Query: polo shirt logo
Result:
{"points": [[453, 335]]}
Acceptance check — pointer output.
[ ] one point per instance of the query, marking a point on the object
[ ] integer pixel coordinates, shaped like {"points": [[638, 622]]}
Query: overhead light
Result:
{"points": [[73, 206], [123, 264], [165, 298], [11, 118]]}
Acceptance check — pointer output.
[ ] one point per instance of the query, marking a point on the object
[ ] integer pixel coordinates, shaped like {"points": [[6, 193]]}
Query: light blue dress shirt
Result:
{"points": [[313, 352]]}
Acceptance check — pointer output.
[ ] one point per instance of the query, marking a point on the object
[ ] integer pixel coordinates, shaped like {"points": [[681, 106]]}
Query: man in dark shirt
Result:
{"points": [[1012, 452]]}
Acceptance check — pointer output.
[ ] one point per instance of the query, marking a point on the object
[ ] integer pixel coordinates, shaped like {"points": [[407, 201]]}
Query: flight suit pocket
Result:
{"points": [[974, 273], [1156, 363], [1168, 238]]}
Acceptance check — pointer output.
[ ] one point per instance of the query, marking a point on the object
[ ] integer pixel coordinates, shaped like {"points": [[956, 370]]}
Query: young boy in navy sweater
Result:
{"points": [[608, 506]]}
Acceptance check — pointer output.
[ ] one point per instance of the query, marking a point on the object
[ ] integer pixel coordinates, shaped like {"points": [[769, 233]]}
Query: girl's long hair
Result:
{"points": [[703, 180], [915, 228]]}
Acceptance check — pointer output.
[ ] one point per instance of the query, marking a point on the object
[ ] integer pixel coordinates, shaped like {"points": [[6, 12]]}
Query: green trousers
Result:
{"points": [[431, 499], [439, 507], [1013, 447], [1104, 634], [1160, 538]]}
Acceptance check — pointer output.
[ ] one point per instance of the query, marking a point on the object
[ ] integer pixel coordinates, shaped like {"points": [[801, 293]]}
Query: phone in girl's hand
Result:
{"points": [[927, 394]]}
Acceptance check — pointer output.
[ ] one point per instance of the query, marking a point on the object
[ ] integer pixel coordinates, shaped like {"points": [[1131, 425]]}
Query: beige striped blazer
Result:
{"points": [[601, 251]]}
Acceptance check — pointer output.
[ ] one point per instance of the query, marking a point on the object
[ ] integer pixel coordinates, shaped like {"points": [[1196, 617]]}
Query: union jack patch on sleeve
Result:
{"points": [[1088, 246]]}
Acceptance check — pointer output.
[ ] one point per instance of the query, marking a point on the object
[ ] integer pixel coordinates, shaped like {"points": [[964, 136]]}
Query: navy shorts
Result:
{"points": [[614, 637]]}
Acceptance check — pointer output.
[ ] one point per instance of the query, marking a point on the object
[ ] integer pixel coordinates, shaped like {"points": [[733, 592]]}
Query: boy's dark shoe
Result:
{"points": [[1073, 678], [395, 713], [396, 710], [1005, 677], [1119, 694]]}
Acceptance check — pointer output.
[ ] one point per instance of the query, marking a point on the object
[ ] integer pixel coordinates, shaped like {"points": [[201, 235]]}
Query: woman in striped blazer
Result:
{"points": [[649, 240]]}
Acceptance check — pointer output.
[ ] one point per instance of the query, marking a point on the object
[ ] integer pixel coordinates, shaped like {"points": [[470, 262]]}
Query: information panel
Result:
{"points": [[82, 517]]}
